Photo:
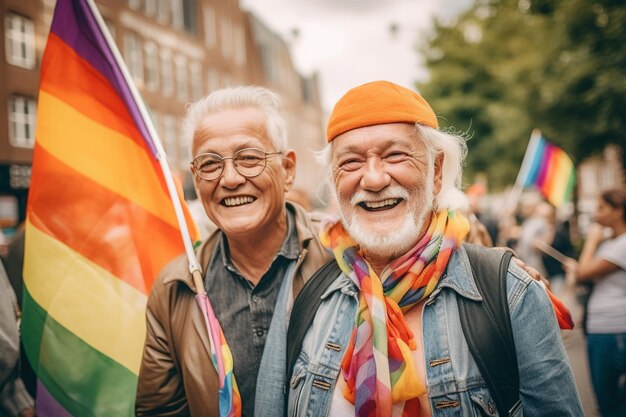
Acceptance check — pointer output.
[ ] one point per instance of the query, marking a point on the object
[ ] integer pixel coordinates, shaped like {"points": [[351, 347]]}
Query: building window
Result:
{"points": [[150, 7], [212, 80], [226, 35], [177, 14], [167, 77], [163, 11], [152, 67], [195, 72], [20, 41], [22, 117], [240, 46], [190, 22], [134, 4], [169, 138], [210, 33], [133, 56], [268, 63], [181, 78]]}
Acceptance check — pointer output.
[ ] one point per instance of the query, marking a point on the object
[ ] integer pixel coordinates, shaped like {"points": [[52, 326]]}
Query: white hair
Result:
{"points": [[454, 149], [235, 98]]}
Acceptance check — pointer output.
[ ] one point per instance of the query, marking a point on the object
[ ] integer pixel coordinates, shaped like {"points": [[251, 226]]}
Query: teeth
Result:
{"points": [[237, 201], [382, 203]]}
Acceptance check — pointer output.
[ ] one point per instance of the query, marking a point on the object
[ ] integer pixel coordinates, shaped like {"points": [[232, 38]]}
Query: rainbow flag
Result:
{"points": [[100, 224], [550, 169]]}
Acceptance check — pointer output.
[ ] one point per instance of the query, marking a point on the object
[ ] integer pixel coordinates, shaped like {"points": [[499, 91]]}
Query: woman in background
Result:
{"points": [[603, 262]]}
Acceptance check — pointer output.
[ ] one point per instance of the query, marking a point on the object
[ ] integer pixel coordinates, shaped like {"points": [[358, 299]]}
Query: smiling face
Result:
{"points": [[385, 181], [241, 206]]}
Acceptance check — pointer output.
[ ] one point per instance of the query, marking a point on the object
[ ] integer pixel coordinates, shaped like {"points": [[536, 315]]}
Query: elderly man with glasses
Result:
{"points": [[254, 265]]}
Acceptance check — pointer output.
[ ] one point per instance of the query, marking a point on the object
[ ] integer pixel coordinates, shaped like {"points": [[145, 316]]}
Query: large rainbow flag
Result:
{"points": [[550, 169], [100, 223]]}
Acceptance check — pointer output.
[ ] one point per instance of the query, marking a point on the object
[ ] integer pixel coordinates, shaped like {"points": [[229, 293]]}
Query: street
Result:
{"points": [[575, 346]]}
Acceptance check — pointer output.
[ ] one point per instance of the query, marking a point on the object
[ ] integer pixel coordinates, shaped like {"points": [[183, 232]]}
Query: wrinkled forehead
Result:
{"points": [[231, 129], [378, 138]]}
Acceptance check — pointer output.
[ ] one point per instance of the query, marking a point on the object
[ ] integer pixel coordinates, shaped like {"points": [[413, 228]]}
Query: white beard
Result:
{"points": [[397, 242]]}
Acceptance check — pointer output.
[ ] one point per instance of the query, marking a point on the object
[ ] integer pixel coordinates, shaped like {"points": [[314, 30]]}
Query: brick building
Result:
{"points": [[176, 51]]}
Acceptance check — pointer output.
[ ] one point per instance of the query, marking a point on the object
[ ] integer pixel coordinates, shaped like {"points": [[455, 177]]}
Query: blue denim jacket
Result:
{"points": [[455, 385]]}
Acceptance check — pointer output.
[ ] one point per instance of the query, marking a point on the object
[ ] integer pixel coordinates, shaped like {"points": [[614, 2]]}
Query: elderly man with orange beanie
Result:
{"points": [[387, 339]]}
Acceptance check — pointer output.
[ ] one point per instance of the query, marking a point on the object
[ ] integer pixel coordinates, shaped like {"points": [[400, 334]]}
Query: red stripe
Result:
{"points": [[111, 231], [69, 77]]}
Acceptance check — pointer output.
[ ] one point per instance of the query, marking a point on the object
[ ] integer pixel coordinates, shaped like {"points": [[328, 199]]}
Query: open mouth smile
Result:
{"points": [[386, 204], [237, 201]]}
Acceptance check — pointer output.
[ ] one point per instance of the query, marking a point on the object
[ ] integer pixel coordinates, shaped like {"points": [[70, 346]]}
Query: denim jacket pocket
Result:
{"points": [[296, 386], [483, 404]]}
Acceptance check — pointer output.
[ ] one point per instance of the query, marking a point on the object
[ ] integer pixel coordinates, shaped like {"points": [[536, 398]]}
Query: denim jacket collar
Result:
{"points": [[458, 277]]}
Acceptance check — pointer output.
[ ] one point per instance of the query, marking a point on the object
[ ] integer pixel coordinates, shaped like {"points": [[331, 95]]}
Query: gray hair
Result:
{"points": [[235, 98], [454, 149]]}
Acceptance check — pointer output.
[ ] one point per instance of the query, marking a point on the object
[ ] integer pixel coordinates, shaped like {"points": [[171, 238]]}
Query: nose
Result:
{"points": [[231, 178], [375, 177]]}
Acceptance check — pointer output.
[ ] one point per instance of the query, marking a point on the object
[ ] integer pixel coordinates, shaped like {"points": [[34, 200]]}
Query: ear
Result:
{"points": [[438, 172], [195, 180], [289, 165]]}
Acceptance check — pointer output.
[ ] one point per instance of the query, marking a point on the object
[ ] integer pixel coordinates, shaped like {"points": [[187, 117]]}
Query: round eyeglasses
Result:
{"points": [[248, 162]]}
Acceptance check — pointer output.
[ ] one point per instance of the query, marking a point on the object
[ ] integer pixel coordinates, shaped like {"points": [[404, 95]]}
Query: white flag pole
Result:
{"points": [[518, 187], [194, 266]]}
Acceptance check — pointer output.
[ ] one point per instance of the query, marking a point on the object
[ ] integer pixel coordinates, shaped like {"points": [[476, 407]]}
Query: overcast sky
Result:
{"points": [[350, 42]]}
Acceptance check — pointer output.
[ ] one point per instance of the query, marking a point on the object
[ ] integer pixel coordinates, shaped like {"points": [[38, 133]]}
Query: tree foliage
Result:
{"points": [[506, 67]]}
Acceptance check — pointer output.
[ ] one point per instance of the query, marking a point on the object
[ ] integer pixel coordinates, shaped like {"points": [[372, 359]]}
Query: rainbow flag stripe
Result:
{"points": [[100, 225], [552, 171]]}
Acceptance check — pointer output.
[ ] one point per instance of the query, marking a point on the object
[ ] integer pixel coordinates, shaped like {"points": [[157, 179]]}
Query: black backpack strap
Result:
{"points": [[487, 326], [304, 308]]}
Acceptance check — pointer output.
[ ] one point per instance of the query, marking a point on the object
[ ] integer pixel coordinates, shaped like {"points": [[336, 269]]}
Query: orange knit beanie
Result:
{"points": [[376, 103]]}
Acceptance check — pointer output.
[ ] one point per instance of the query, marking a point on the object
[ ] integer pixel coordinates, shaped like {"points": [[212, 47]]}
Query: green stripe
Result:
{"points": [[569, 188], [83, 380]]}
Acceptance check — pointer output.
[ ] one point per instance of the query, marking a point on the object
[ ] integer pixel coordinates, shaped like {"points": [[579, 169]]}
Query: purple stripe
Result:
{"points": [[46, 405], [75, 24]]}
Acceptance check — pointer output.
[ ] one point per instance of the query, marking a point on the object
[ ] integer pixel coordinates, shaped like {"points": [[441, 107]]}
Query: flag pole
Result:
{"points": [[194, 266], [518, 187]]}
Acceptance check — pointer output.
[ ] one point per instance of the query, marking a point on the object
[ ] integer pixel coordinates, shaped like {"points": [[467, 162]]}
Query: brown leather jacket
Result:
{"points": [[177, 377]]}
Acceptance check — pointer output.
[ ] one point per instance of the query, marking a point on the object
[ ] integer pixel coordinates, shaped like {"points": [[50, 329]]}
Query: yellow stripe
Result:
{"points": [[88, 301], [98, 153], [563, 168]]}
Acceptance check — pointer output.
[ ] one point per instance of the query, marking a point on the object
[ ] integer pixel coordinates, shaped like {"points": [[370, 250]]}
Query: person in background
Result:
{"points": [[536, 229], [263, 252], [603, 262], [387, 338], [14, 398]]}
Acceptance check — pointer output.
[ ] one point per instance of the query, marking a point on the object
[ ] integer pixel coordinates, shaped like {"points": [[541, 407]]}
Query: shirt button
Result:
{"points": [[259, 332], [255, 298]]}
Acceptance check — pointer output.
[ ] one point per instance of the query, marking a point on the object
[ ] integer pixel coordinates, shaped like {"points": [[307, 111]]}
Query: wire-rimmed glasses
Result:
{"points": [[249, 162]]}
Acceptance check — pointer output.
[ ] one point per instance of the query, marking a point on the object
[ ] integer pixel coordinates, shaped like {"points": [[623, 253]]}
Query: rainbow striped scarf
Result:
{"points": [[378, 365]]}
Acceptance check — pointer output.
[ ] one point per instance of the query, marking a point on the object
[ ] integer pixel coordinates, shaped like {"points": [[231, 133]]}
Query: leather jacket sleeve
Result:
{"points": [[160, 388]]}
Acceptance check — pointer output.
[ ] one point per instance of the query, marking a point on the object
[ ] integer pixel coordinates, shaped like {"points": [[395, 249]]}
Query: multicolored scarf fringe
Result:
{"points": [[378, 365]]}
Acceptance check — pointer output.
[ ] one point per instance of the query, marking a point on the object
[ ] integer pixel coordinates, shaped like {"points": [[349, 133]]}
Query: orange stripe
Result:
{"points": [[103, 156], [69, 77], [101, 225]]}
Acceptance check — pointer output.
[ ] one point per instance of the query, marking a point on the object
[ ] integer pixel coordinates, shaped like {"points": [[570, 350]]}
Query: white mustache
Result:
{"points": [[389, 192]]}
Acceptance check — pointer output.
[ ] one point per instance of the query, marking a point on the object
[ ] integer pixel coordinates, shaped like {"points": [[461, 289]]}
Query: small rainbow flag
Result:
{"points": [[550, 169], [101, 223]]}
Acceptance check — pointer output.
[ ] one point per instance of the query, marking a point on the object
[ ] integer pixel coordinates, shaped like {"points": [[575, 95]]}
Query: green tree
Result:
{"points": [[506, 67]]}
